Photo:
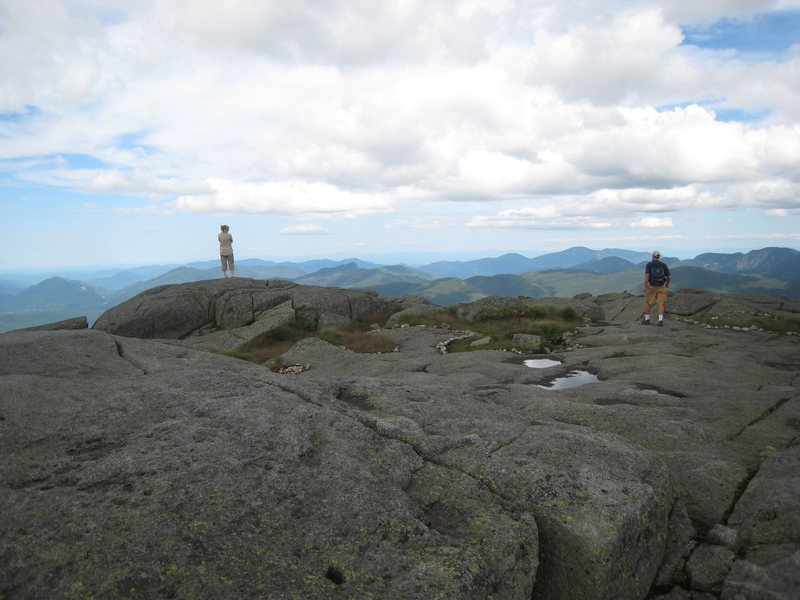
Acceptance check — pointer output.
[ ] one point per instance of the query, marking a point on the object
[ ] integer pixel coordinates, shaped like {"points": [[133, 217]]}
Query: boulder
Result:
{"points": [[223, 314], [708, 567], [678, 547], [527, 343], [73, 323], [766, 517], [774, 580], [230, 339], [690, 302], [413, 305]]}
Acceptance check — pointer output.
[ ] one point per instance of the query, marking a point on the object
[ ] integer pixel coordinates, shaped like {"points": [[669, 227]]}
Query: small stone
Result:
{"points": [[527, 342], [724, 536], [708, 567]]}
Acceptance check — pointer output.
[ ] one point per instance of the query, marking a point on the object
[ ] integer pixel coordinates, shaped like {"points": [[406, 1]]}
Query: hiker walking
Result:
{"points": [[656, 282], [226, 251]]}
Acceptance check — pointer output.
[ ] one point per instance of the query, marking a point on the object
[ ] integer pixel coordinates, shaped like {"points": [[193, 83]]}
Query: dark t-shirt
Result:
{"points": [[649, 270]]}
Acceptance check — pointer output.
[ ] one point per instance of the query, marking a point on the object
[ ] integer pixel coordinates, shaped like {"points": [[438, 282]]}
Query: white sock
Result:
{"points": [[647, 317], [660, 317]]}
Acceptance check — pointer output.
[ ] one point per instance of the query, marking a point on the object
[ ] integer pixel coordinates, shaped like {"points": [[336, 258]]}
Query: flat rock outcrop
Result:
{"points": [[73, 323], [223, 314], [150, 468]]}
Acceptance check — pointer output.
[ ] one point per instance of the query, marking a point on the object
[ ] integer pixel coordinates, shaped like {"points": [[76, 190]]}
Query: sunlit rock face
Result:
{"points": [[151, 468]]}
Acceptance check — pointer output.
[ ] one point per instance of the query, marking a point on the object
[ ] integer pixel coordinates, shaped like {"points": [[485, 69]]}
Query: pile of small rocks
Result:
{"points": [[294, 369]]}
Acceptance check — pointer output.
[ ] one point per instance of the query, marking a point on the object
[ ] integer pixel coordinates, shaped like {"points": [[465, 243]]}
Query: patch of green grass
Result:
{"points": [[357, 341], [272, 344], [547, 321], [366, 322]]}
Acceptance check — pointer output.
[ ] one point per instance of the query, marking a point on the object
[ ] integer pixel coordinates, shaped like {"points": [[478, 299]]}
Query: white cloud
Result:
{"points": [[545, 217], [304, 229], [653, 222], [294, 197], [345, 109], [114, 180], [148, 210]]}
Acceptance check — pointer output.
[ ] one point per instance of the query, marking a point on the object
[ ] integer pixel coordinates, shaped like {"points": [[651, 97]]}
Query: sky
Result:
{"points": [[130, 130]]}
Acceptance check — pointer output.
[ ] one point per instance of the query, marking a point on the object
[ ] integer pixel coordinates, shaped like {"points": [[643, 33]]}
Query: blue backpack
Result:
{"points": [[658, 273]]}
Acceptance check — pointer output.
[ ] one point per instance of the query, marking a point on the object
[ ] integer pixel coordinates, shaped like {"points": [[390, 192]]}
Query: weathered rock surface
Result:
{"points": [[223, 314], [149, 468], [73, 323]]}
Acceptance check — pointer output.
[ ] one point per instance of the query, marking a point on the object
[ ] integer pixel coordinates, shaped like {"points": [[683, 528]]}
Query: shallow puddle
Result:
{"points": [[541, 363], [571, 380]]}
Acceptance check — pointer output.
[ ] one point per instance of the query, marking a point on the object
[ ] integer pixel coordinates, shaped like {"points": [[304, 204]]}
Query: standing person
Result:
{"points": [[656, 282], [226, 251]]}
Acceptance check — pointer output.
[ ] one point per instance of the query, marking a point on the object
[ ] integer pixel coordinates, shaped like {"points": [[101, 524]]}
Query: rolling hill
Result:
{"points": [[560, 274], [608, 259], [780, 263], [353, 276], [567, 283]]}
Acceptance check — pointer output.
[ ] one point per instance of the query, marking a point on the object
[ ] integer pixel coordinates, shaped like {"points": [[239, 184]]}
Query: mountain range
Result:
{"points": [[563, 274]]}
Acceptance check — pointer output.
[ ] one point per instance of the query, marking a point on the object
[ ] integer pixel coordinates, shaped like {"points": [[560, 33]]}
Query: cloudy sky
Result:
{"points": [[131, 129]]}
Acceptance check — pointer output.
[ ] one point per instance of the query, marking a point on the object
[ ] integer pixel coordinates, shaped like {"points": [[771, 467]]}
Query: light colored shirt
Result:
{"points": [[225, 244]]}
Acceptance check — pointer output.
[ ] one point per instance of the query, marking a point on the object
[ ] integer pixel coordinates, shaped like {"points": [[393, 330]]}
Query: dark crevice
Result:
{"points": [[121, 353], [612, 402], [660, 390], [760, 417], [357, 400], [509, 442], [336, 575], [740, 490]]}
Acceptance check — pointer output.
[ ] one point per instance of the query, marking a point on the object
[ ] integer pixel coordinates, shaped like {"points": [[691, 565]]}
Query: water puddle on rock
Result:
{"points": [[574, 378], [541, 363], [571, 380]]}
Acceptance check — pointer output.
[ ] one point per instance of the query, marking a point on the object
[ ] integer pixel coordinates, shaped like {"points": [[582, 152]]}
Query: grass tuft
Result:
{"points": [[547, 321], [272, 344]]}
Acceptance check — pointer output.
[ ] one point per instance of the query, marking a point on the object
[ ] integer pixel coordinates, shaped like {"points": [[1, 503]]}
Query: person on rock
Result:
{"points": [[226, 251], [656, 281]]}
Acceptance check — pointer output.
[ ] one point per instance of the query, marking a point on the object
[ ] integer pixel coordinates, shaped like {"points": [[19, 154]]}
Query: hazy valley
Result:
{"points": [[25, 303]]}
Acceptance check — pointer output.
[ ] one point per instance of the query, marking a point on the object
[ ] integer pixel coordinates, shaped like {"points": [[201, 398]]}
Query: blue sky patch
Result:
{"points": [[18, 116], [769, 32], [725, 114], [133, 139], [81, 161], [738, 114]]}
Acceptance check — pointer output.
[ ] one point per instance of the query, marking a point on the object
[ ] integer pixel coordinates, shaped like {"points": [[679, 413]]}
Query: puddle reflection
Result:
{"points": [[541, 363], [571, 380]]}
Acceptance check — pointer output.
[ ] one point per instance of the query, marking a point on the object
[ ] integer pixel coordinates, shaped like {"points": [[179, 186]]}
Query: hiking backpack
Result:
{"points": [[658, 275]]}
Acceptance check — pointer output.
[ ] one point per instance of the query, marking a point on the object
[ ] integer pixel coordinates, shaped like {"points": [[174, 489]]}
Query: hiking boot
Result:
{"points": [[661, 323], [646, 322]]}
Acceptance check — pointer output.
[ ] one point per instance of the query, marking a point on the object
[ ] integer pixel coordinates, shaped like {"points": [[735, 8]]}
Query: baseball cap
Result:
{"points": [[656, 254]]}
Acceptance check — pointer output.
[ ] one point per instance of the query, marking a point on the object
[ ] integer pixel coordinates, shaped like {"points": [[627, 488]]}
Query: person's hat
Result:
{"points": [[656, 254]]}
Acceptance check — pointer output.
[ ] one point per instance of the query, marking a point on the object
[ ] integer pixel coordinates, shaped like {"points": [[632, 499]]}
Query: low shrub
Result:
{"points": [[535, 311], [358, 341], [568, 313], [366, 322], [272, 344], [545, 320]]}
